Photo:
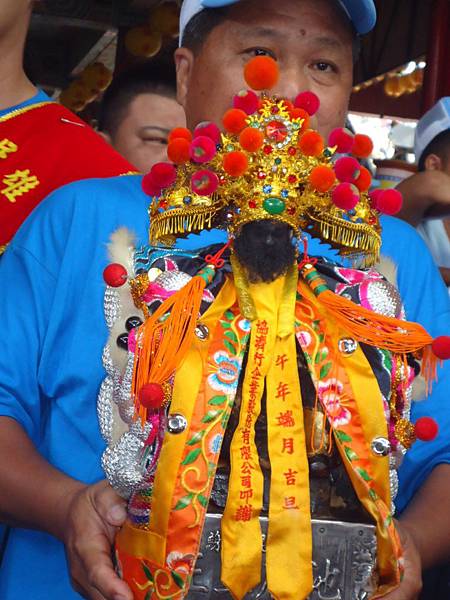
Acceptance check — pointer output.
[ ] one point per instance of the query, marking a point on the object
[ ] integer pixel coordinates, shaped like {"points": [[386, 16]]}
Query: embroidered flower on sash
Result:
{"points": [[179, 562], [215, 443], [304, 339], [244, 325], [225, 375], [329, 392]]}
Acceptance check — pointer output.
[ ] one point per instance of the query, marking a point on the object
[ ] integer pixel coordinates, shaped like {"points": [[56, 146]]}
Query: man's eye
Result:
{"points": [[153, 140], [324, 67], [257, 51]]}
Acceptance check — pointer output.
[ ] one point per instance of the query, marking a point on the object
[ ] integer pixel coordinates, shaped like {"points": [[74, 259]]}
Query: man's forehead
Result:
{"points": [[275, 20], [326, 17], [322, 38]]}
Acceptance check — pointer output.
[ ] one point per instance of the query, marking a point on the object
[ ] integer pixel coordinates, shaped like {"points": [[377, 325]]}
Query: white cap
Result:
{"points": [[433, 122], [361, 13]]}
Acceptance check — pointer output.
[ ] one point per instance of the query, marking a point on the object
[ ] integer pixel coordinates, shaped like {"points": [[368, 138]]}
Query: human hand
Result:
{"points": [[425, 195], [411, 584], [93, 517]]}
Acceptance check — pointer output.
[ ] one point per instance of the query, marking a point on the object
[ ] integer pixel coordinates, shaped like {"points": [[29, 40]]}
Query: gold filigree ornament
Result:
{"points": [[266, 165]]}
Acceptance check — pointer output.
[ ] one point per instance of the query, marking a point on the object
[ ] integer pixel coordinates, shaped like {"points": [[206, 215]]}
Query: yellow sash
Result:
{"points": [[271, 362]]}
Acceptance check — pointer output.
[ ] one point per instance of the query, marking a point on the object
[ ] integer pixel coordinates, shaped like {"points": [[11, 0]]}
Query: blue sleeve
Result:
{"points": [[24, 307], [52, 317], [426, 301]]}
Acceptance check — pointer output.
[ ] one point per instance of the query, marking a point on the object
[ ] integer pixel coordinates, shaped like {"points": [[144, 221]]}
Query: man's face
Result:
{"points": [[310, 40], [142, 136]]}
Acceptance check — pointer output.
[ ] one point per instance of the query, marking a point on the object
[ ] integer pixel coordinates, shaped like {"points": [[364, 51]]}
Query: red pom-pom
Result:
{"points": [[149, 186], [300, 113], [308, 101], [204, 182], [251, 139], [209, 130], [441, 347], [426, 429], [235, 163], [364, 180], [362, 146], [163, 174], [247, 101], [115, 275], [341, 138], [202, 149], [180, 132], [347, 169], [261, 73], [151, 396], [178, 151], [234, 120], [374, 196], [311, 143], [345, 196], [389, 202], [322, 178]]}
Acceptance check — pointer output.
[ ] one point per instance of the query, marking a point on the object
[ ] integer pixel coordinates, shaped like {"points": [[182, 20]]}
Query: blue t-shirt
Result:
{"points": [[54, 330], [39, 97]]}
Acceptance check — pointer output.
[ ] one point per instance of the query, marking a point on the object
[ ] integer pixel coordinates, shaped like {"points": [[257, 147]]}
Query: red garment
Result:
{"points": [[42, 147]]}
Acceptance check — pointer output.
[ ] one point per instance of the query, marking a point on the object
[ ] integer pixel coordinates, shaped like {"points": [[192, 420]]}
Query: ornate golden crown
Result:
{"points": [[267, 165]]}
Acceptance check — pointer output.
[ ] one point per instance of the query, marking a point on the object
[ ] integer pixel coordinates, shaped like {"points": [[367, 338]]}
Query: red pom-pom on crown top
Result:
{"points": [[261, 73]]}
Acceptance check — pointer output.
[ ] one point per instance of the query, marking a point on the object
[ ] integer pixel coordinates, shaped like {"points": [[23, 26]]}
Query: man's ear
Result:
{"points": [[433, 163], [184, 63]]}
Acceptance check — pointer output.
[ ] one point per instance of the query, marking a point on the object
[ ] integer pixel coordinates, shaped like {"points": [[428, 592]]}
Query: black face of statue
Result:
{"points": [[265, 250]]}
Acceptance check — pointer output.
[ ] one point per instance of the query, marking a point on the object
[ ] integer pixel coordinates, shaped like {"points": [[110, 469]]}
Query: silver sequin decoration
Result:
{"points": [[107, 361], [347, 345], [408, 401], [393, 481], [139, 431], [201, 331], [121, 461], [121, 464], [381, 446], [111, 306], [176, 423], [105, 410], [384, 298], [123, 392], [172, 281]]}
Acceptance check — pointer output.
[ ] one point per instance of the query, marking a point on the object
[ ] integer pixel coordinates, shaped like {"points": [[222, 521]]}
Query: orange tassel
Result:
{"points": [[371, 328], [163, 339]]}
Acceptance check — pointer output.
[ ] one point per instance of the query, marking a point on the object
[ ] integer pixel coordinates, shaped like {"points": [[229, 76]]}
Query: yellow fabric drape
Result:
{"points": [[289, 534], [272, 341]]}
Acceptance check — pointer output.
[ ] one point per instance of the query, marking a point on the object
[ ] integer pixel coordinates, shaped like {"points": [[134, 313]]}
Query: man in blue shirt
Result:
{"points": [[53, 323]]}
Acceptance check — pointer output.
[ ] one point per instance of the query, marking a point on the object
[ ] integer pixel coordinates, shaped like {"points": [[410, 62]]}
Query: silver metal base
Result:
{"points": [[344, 559]]}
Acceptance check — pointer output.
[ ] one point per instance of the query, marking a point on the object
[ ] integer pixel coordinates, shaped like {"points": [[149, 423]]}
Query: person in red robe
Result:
{"points": [[42, 144]]}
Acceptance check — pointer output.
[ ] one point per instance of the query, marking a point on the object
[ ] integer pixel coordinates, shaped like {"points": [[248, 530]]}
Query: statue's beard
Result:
{"points": [[265, 250]]}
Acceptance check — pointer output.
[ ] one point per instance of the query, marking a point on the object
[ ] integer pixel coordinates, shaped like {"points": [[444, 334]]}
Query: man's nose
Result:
{"points": [[292, 81]]}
